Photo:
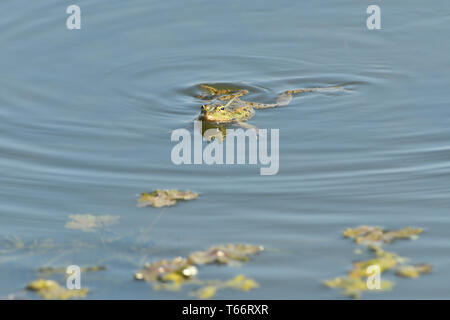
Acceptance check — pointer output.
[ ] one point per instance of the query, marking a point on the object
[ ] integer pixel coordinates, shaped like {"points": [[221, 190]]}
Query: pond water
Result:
{"points": [[87, 117]]}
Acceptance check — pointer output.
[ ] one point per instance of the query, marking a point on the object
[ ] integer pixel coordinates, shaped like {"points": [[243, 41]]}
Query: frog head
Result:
{"points": [[219, 112]]}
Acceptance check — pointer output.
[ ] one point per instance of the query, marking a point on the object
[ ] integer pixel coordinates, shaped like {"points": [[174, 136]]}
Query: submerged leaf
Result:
{"points": [[369, 234], [225, 254], [11, 243], [239, 282], [413, 271], [162, 198], [49, 289], [207, 292], [90, 223], [51, 270]]}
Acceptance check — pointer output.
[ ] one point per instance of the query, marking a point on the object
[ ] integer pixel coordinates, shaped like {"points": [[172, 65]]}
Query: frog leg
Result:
{"points": [[286, 97], [246, 125], [204, 97], [213, 91], [256, 105], [233, 95]]}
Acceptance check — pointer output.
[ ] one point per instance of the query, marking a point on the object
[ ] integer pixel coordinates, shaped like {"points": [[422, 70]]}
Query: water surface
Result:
{"points": [[87, 116]]}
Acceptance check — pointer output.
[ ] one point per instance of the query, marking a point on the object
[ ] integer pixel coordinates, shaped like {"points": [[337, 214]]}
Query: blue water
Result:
{"points": [[87, 117]]}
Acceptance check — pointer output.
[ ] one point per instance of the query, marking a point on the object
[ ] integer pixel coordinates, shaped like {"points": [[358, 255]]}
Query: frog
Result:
{"points": [[226, 107]]}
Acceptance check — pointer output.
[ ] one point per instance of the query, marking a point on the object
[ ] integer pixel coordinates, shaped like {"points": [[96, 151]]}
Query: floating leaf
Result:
{"points": [[90, 223], [162, 198], [385, 261], [157, 200], [373, 238], [49, 289], [354, 286], [413, 271], [171, 275], [158, 270], [171, 282], [355, 282], [369, 234], [225, 254]]}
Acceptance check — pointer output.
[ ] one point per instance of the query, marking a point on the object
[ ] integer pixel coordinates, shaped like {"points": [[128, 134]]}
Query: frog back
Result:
{"points": [[238, 110]]}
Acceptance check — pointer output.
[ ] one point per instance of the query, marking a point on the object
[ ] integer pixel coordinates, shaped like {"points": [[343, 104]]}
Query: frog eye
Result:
{"points": [[203, 107], [222, 108]]}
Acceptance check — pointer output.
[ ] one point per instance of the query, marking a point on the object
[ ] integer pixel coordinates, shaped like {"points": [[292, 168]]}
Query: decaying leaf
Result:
{"points": [[369, 234], [373, 238], [413, 271], [49, 289], [172, 274], [240, 282], [162, 198], [206, 292], [225, 254], [52, 270], [354, 286], [161, 270], [174, 281], [90, 223], [384, 260]]}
